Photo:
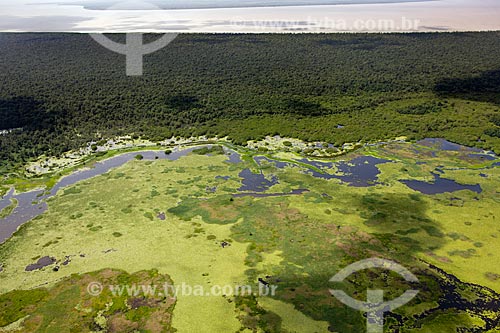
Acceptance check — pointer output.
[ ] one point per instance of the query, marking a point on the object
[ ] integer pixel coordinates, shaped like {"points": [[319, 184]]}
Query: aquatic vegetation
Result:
{"points": [[9, 209], [295, 232], [67, 306], [209, 150]]}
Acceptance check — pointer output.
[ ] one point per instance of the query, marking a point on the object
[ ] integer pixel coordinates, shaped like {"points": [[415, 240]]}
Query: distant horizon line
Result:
{"points": [[225, 4]]}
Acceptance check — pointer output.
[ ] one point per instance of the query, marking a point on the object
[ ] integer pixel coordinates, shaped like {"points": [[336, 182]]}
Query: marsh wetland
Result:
{"points": [[229, 215]]}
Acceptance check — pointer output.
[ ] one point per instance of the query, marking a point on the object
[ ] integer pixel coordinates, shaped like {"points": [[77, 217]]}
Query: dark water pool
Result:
{"points": [[41, 263], [440, 185], [359, 172], [232, 156], [256, 182]]}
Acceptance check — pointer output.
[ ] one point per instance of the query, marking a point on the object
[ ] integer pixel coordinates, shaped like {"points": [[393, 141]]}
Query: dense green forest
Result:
{"points": [[59, 91]]}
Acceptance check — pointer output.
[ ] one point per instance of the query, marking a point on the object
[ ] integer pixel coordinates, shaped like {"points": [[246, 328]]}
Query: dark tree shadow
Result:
{"points": [[33, 130], [482, 88], [399, 230], [20, 112]]}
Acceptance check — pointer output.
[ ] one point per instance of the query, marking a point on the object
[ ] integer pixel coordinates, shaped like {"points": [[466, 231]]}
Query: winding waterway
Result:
{"points": [[358, 172], [32, 204]]}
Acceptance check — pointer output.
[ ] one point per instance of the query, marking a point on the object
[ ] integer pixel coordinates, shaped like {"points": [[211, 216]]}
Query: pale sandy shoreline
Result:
{"points": [[425, 16]]}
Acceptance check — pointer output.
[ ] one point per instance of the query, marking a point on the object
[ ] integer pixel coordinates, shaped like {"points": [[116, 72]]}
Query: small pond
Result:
{"points": [[256, 182], [440, 185]]}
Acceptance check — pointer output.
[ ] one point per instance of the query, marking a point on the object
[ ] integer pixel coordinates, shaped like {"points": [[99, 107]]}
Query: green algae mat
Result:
{"points": [[280, 224]]}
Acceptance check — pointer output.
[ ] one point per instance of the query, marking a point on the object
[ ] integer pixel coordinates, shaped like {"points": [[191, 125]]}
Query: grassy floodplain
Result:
{"points": [[296, 242]]}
